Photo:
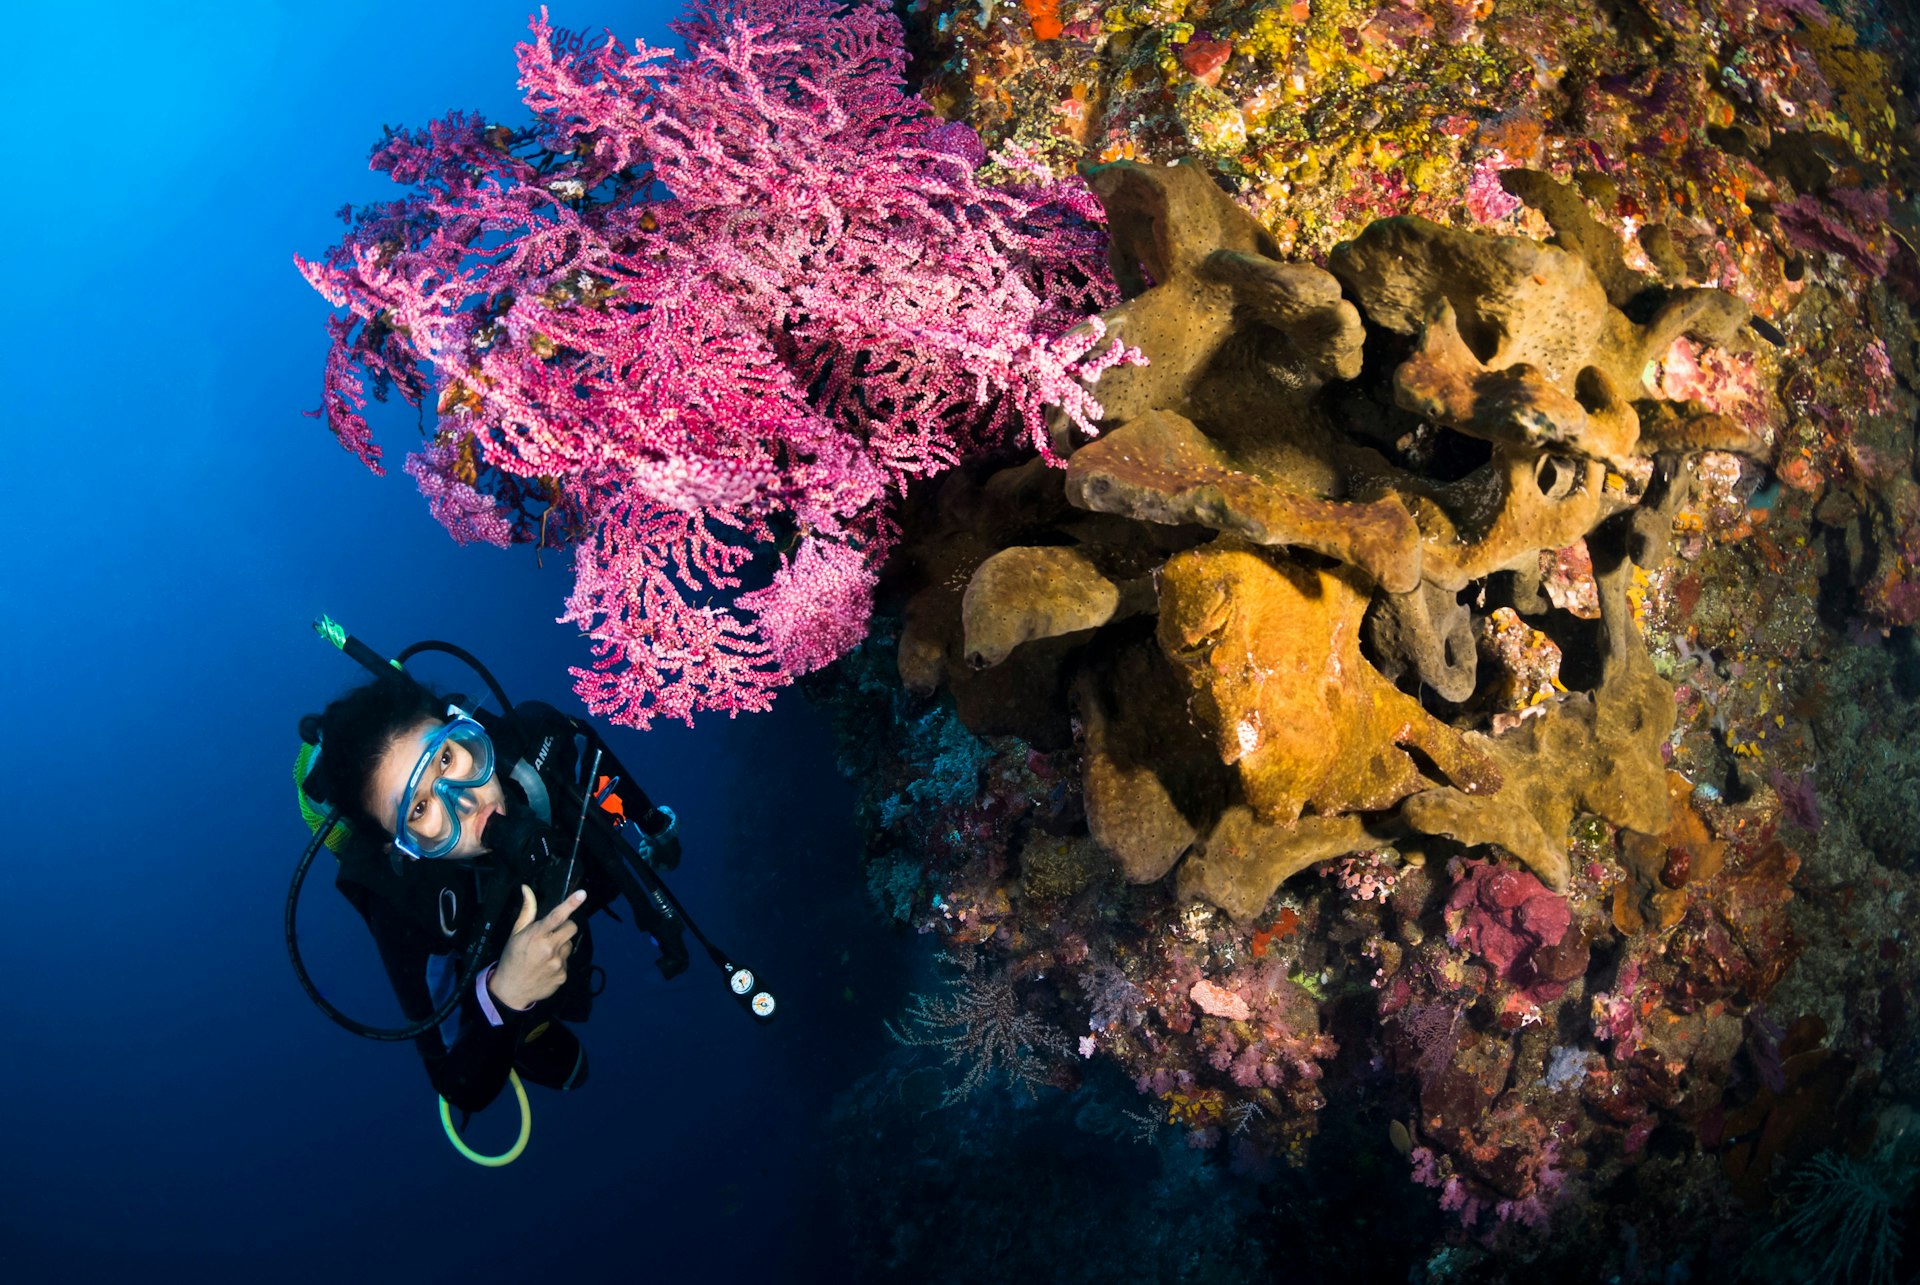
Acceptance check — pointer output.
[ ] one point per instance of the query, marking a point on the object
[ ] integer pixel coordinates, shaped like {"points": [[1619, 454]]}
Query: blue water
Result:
{"points": [[173, 1102]]}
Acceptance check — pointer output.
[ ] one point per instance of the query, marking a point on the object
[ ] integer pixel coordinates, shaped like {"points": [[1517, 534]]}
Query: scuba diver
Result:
{"points": [[476, 846]]}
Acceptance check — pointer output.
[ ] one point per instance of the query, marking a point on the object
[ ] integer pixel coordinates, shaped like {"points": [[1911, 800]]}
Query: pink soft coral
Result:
{"points": [[702, 303], [468, 516]]}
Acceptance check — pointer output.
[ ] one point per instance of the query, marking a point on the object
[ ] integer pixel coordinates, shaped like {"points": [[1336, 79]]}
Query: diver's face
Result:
{"points": [[427, 816]]}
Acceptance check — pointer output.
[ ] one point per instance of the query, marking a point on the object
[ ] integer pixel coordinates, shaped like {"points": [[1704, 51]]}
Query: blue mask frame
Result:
{"points": [[449, 791]]}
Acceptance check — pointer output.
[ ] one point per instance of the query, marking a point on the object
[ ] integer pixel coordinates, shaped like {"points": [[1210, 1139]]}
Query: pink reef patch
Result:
{"points": [[1218, 1001], [1487, 201], [1505, 916]]}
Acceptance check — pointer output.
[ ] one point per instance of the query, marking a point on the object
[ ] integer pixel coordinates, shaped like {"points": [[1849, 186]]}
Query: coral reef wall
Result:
{"points": [[1448, 728]]}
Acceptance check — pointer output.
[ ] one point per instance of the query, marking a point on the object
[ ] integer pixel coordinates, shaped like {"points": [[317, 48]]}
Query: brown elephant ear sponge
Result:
{"points": [[1148, 779], [1162, 468], [1596, 753], [1517, 301], [1517, 341], [1022, 594], [1271, 650], [1239, 863], [1313, 456]]}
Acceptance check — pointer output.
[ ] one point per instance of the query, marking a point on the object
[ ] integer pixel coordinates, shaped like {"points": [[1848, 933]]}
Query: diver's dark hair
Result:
{"points": [[356, 730]]}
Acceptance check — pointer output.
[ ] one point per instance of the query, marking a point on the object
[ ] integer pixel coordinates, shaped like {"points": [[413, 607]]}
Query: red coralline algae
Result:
{"points": [[1506, 916], [1218, 1001], [1204, 58], [1486, 200]]}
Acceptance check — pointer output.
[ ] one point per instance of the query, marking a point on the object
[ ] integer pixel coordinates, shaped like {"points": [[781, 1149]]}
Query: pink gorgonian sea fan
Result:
{"points": [[703, 320]]}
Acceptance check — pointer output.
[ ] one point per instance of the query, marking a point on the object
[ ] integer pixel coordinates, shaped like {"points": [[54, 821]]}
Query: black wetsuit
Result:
{"points": [[425, 918]]}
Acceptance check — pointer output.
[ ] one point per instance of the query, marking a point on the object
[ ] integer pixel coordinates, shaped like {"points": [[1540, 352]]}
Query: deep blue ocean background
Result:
{"points": [[174, 1103]]}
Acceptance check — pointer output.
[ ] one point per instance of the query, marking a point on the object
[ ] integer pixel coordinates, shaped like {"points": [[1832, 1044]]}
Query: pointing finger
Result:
{"points": [[558, 915]]}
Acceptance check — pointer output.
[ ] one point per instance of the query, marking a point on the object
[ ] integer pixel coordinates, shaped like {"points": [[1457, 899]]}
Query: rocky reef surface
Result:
{"points": [[1437, 768]]}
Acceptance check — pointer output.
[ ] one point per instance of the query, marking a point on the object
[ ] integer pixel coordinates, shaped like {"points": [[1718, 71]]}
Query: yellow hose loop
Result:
{"points": [[512, 1153]]}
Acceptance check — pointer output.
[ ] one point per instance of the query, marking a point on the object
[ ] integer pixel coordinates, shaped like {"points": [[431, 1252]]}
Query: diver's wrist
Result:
{"points": [[503, 1000]]}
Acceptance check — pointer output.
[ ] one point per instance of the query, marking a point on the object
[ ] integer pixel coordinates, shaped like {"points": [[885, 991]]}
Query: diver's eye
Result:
{"points": [[446, 757], [419, 810]]}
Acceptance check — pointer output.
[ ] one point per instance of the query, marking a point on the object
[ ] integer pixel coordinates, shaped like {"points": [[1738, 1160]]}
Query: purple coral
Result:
{"points": [[983, 1029], [1848, 222], [1797, 798], [1430, 1030], [1116, 1000]]}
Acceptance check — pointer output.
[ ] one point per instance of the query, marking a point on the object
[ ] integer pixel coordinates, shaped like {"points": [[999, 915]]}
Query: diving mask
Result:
{"points": [[457, 759]]}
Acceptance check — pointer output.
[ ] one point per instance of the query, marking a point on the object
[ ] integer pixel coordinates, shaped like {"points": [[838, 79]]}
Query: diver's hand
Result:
{"points": [[534, 964]]}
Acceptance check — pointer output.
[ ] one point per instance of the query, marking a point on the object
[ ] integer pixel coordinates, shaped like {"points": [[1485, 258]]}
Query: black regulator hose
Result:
{"points": [[469, 970], [466, 658], [371, 661]]}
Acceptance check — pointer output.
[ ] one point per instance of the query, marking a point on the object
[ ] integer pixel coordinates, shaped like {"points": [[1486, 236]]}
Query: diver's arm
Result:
{"points": [[470, 1072], [533, 964], [496, 1009]]}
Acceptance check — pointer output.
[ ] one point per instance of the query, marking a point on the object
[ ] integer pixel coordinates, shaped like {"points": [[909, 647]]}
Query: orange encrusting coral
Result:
{"points": [[1283, 926], [1044, 16]]}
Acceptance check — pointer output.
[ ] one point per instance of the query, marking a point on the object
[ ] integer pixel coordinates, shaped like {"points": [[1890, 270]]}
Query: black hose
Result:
{"points": [[440, 1014], [370, 660], [466, 658]]}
